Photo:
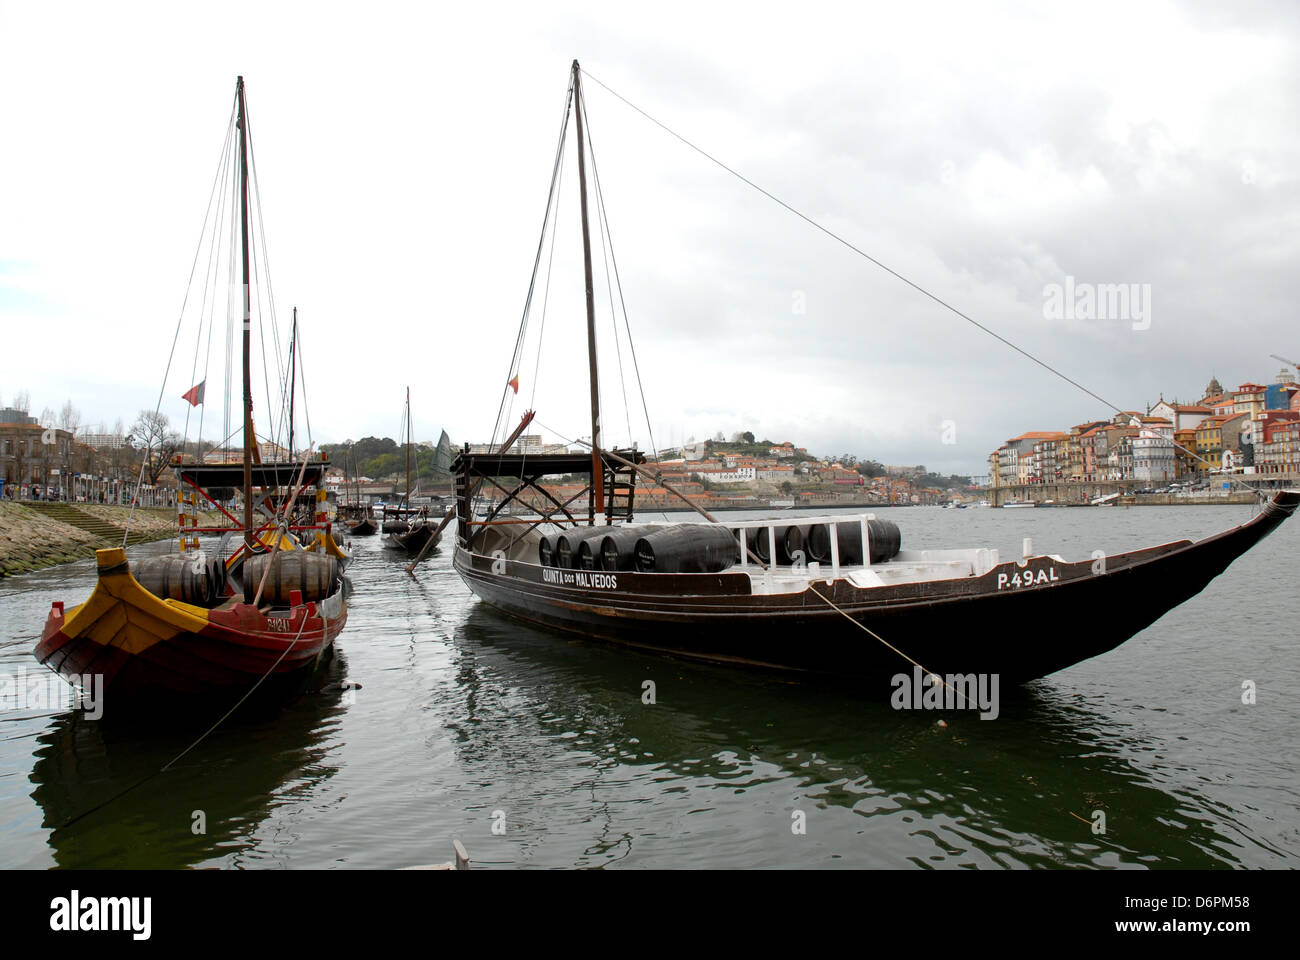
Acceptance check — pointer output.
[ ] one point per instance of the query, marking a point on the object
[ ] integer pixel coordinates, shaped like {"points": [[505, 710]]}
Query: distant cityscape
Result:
{"points": [[1252, 432]]}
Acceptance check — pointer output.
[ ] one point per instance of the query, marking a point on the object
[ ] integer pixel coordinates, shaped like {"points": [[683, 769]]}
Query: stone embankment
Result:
{"points": [[40, 534]]}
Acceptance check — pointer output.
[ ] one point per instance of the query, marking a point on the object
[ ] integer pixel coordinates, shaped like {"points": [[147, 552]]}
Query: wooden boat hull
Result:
{"points": [[963, 625], [363, 528], [146, 648], [413, 541]]}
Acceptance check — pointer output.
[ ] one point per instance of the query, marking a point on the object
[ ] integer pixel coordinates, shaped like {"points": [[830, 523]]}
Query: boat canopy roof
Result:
{"points": [[208, 475], [533, 464]]}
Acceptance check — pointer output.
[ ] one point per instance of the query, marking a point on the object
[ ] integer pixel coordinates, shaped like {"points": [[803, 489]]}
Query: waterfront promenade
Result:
{"points": [[1083, 492], [42, 533]]}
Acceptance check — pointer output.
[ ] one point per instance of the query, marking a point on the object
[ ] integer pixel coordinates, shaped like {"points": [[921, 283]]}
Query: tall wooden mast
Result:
{"points": [[597, 502], [407, 497], [249, 439], [293, 377]]}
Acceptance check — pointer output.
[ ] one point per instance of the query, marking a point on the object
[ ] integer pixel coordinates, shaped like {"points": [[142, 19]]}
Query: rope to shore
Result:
{"points": [[862, 626], [203, 736]]}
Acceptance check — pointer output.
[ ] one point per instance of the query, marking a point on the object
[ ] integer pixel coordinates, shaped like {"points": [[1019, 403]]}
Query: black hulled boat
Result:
{"points": [[835, 595]]}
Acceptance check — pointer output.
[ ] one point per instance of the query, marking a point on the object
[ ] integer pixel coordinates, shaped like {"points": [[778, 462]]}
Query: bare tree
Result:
{"points": [[171, 444], [149, 428], [161, 443], [69, 418], [22, 401]]}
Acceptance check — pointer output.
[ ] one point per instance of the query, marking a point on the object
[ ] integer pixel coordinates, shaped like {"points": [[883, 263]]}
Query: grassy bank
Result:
{"points": [[35, 536]]}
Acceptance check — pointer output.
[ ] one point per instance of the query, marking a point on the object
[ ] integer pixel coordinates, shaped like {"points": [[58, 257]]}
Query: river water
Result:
{"points": [[536, 751]]}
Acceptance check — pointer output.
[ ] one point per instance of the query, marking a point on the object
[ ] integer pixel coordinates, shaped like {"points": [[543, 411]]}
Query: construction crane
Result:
{"points": [[1285, 360]]}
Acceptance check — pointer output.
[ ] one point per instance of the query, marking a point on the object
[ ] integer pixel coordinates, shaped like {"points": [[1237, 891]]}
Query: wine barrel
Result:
{"points": [[886, 541], [589, 554], [687, 548], [568, 542], [314, 574], [546, 551], [618, 546], [396, 526], [175, 577], [789, 539]]}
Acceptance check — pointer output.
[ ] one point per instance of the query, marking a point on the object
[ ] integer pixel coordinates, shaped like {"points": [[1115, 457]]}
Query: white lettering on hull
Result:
{"points": [[580, 578], [1027, 578]]}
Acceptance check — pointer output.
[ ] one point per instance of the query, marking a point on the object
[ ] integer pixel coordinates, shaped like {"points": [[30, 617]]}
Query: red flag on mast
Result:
{"points": [[194, 394], [513, 383]]}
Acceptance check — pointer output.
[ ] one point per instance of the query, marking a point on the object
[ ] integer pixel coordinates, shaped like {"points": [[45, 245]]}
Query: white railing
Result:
{"points": [[813, 567]]}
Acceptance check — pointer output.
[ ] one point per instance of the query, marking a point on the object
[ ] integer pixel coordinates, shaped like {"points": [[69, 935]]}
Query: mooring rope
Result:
{"points": [[203, 736], [862, 626]]}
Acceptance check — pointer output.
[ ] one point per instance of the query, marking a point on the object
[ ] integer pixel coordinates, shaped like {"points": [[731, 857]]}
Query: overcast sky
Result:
{"points": [[404, 152]]}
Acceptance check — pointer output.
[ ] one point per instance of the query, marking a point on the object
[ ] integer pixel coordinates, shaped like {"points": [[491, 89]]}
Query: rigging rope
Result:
{"points": [[203, 736], [203, 303], [636, 367], [936, 679], [607, 246], [546, 291], [894, 273], [541, 240], [261, 247], [172, 352], [302, 378], [208, 307]]}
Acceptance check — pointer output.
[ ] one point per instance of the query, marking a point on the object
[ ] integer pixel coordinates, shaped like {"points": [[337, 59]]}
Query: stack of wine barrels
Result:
{"points": [[886, 541], [789, 540], [396, 526], [618, 546], [592, 548], [569, 542], [687, 548], [178, 577], [314, 574]]}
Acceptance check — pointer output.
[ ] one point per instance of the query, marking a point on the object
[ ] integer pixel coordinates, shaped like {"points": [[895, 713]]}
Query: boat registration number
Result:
{"points": [[1027, 578]]}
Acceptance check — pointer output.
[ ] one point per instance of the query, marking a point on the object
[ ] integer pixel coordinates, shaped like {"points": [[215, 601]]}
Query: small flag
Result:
{"points": [[194, 395], [514, 383]]}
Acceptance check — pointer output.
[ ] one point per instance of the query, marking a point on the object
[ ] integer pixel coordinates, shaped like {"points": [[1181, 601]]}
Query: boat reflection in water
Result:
{"points": [[712, 772], [206, 809]]}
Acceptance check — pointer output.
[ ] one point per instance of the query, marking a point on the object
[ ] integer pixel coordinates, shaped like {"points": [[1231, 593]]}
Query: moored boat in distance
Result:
{"points": [[408, 528]]}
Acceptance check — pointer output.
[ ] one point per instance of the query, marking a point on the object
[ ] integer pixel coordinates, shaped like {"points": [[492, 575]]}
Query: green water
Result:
{"points": [[467, 722]]}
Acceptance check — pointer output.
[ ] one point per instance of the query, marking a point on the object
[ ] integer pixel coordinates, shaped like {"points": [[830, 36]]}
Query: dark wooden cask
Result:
{"points": [[314, 574], [687, 548]]}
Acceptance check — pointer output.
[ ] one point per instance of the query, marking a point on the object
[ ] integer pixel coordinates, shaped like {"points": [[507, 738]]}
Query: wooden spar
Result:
{"points": [[451, 511], [597, 504], [406, 497], [293, 380], [356, 476], [249, 439]]}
